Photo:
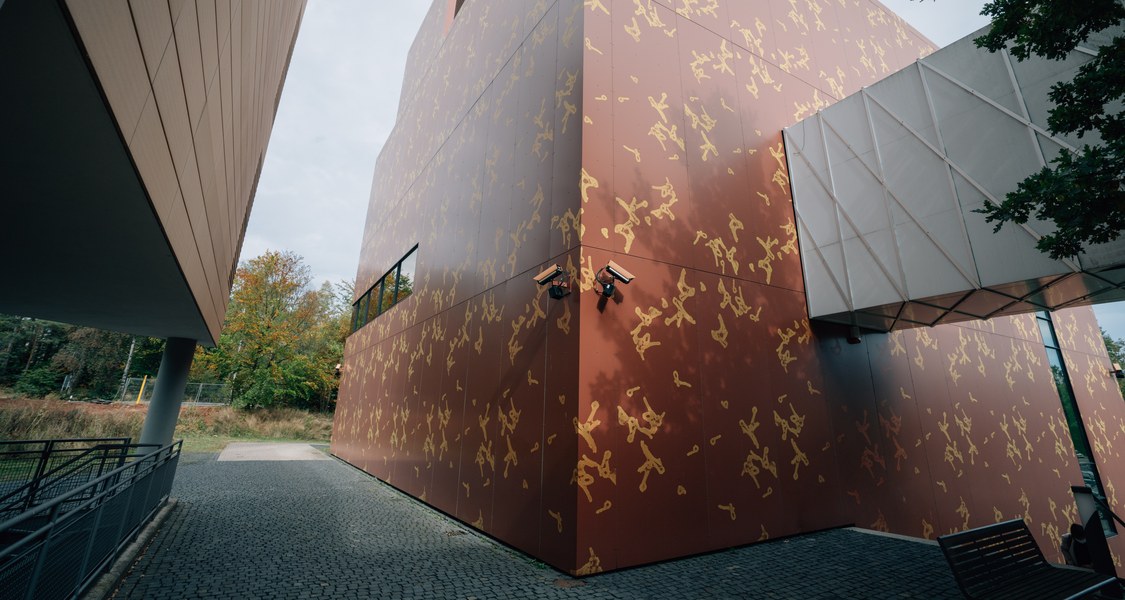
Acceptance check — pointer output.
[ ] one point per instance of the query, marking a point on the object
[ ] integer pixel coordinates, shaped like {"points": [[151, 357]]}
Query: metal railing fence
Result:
{"points": [[58, 548], [208, 393], [24, 460], [33, 472]]}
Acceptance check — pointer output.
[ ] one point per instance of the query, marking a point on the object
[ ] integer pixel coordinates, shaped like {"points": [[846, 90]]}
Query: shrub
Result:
{"points": [[39, 381]]}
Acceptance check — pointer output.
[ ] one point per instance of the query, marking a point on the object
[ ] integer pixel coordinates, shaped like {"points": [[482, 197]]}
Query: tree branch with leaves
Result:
{"points": [[1082, 193]]}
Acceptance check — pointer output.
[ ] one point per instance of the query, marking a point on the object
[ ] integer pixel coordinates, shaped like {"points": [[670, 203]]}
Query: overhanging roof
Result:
{"points": [[79, 240]]}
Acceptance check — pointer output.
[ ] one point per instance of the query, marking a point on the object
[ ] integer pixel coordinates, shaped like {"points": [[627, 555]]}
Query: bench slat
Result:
{"points": [[1004, 561]]}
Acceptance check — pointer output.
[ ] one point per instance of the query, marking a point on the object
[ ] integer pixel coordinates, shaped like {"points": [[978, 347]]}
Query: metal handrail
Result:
{"points": [[36, 484], [1109, 510], [97, 519], [47, 449], [48, 506], [61, 440]]}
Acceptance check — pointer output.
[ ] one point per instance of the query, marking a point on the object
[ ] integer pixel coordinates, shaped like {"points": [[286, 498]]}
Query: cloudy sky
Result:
{"points": [[339, 105]]}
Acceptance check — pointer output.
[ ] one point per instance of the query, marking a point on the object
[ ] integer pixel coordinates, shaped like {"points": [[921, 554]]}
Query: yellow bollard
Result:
{"points": [[140, 393]]}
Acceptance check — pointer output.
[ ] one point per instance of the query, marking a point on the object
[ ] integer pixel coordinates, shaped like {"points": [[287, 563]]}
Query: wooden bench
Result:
{"points": [[1003, 561]]}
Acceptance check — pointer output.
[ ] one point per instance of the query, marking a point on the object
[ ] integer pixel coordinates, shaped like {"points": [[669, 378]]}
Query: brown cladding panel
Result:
{"points": [[715, 152], [558, 517], [163, 107], [411, 473], [567, 151], [646, 494], [190, 54], [507, 354], [153, 29], [167, 84], [650, 195], [895, 458], [519, 415], [530, 216], [1099, 401], [480, 432], [116, 55], [900, 452], [151, 155], [958, 407], [493, 239], [764, 223], [208, 43], [951, 439], [596, 212], [739, 379], [699, 409], [451, 357]]}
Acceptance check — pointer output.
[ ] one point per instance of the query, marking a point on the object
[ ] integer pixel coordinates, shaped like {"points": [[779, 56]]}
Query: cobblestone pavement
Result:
{"points": [[321, 529]]}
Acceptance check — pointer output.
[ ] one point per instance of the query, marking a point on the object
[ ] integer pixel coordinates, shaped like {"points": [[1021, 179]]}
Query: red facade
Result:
{"points": [[699, 408]]}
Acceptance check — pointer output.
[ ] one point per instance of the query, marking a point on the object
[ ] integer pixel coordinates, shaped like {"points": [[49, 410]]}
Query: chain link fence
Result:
{"points": [[204, 393]]}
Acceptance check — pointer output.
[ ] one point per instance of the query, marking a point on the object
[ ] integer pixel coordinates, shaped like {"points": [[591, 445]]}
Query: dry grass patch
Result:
{"points": [[29, 419], [203, 428], [268, 424]]}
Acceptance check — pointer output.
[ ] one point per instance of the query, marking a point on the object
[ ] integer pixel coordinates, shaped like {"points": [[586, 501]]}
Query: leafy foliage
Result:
{"points": [[280, 346], [36, 355], [1083, 193], [282, 339], [39, 381], [1116, 349]]}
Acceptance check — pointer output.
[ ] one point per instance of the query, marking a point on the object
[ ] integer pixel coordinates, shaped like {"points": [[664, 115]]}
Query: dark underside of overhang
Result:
{"points": [[79, 240]]}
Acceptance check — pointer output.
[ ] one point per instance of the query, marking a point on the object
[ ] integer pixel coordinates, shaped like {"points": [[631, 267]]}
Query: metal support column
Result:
{"points": [[171, 380]]}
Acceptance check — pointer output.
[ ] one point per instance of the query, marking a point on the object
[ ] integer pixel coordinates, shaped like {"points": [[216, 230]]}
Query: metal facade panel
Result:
{"points": [[153, 27], [117, 56], [470, 396], [699, 408], [150, 152], [186, 109], [716, 339], [190, 54], [956, 129], [1097, 396]]}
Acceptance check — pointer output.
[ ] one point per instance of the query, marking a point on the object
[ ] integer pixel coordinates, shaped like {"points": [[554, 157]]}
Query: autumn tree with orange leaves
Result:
{"points": [[282, 339]]}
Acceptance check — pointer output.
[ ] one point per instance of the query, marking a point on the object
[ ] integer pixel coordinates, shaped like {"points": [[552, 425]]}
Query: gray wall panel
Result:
{"points": [[898, 170]]}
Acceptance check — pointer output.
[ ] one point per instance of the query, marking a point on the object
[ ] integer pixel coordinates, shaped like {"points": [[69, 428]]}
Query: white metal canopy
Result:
{"points": [[886, 182]]}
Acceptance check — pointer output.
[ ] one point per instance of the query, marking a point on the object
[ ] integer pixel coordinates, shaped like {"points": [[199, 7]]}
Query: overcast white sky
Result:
{"points": [[339, 105]]}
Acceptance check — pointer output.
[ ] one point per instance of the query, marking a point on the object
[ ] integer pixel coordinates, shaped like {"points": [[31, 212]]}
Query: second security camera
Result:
{"points": [[558, 289], [608, 275], [618, 272], [548, 275]]}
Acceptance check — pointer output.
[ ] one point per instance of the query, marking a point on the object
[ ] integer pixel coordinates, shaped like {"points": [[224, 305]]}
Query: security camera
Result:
{"points": [[608, 275], [548, 274], [558, 289], [618, 272]]}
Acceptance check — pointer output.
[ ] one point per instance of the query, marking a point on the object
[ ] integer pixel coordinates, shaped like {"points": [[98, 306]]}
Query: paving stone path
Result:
{"points": [[322, 529]]}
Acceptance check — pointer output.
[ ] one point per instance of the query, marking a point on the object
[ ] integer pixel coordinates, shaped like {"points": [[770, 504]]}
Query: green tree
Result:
{"points": [[27, 347], [281, 340], [1082, 193], [1116, 350], [36, 355], [94, 359]]}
